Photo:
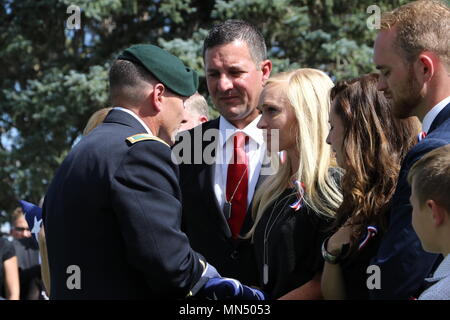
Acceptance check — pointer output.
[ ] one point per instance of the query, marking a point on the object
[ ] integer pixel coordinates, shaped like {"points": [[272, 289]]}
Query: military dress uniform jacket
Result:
{"points": [[403, 263], [203, 220], [112, 216]]}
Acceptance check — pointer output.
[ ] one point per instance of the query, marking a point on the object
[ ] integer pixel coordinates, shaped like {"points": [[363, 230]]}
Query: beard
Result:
{"points": [[408, 98]]}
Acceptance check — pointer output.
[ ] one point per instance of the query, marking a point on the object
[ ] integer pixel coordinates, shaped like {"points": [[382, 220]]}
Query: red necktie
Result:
{"points": [[237, 184]]}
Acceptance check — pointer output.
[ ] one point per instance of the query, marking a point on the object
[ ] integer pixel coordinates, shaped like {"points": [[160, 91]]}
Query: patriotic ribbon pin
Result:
{"points": [[300, 193], [421, 136], [371, 232]]}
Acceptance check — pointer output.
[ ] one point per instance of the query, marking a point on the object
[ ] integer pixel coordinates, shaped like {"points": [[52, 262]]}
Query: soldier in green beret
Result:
{"points": [[112, 213]]}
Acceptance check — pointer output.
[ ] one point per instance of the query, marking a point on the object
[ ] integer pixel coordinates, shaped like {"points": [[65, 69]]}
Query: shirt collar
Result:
{"points": [[134, 115], [251, 130], [432, 114], [442, 271]]}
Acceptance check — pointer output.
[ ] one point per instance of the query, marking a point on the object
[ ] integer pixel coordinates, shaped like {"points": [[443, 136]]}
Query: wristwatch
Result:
{"points": [[328, 257]]}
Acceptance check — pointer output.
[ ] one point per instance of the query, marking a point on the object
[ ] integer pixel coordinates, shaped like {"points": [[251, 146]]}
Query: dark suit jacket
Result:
{"points": [[203, 221], [402, 261], [113, 209]]}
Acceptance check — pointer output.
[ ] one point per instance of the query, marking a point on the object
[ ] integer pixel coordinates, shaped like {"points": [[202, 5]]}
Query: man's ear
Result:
{"points": [[158, 96], [426, 63], [202, 118], [266, 68], [438, 212]]}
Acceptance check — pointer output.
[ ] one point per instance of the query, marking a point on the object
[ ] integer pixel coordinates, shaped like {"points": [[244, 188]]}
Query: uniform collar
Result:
{"points": [[134, 115], [432, 114]]}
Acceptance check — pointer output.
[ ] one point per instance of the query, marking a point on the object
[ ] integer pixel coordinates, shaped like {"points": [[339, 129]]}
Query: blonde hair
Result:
{"points": [[422, 25], [307, 91], [16, 215], [96, 118], [197, 103]]}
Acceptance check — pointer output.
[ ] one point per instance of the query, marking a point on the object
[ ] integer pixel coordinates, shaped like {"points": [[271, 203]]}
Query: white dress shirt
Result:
{"points": [[255, 150], [441, 289], [134, 115], [432, 114]]}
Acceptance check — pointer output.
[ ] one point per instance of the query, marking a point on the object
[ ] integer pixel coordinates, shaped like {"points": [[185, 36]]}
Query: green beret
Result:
{"points": [[165, 67]]}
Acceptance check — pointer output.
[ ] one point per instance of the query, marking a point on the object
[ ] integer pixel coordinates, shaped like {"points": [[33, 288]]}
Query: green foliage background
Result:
{"points": [[52, 78]]}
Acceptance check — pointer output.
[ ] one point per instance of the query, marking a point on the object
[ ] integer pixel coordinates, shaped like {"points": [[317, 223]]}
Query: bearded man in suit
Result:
{"points": [[412, 54]]}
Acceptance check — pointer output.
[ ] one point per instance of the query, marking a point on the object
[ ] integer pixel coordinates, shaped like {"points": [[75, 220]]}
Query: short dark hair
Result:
{"points": [[432, 176], [127, 73], [232, 30]]}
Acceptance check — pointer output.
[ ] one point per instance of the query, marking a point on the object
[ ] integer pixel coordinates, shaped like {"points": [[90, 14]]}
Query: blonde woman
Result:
{"points": [[96, 118], [294, 207]]}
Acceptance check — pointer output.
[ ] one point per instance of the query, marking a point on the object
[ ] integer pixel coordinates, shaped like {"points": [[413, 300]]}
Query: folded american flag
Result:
{"points": [[33, 215], [227, 288]]}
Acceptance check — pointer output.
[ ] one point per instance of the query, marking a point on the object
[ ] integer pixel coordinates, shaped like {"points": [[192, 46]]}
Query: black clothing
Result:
{"points": [[31, 284], [7, 251], [294, 239], [354, 269]]}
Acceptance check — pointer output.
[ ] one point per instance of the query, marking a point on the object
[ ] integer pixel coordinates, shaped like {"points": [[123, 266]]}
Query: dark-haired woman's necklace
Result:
{"points": [[266, 237]]}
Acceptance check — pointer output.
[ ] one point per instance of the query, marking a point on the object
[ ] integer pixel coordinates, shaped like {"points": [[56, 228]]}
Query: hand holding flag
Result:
{"points": [[227, 288]]}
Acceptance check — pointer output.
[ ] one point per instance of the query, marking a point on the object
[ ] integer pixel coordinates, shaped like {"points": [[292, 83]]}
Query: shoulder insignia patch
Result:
{"points": [[144, 136]]}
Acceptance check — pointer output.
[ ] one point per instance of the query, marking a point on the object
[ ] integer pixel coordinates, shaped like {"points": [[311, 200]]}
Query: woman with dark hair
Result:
{"points": [[370, 144]]}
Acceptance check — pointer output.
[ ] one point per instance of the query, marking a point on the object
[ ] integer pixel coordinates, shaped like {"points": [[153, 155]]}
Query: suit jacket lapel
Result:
{"points": [[209, 172], [206, 178], [440, 118]]}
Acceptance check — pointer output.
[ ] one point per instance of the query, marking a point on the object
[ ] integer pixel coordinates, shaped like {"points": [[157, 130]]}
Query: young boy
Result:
{"points": [[430, 182]]}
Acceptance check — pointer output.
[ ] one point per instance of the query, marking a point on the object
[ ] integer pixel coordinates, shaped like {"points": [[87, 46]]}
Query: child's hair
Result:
{"points": [[16, 215], [431, 176]]}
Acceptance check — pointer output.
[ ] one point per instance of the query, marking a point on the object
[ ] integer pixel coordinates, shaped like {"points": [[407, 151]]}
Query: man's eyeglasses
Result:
{"points": [[20, 229]]}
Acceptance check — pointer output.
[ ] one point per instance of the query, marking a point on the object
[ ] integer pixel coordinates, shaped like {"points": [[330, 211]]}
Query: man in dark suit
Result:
{"points": [[412, 53], [112, 213], [217, 190]]}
